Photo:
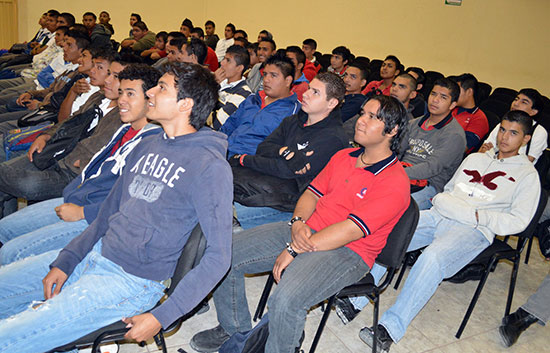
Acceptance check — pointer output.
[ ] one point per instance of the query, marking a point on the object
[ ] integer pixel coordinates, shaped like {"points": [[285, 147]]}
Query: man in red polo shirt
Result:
{"points": [[339, 226], [390, 69], [467, 114]]}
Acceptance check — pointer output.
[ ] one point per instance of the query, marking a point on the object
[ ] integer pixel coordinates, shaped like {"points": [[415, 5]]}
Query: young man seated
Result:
{"points": [[142, 39], [233, 87], [163, 192], [390, 69], [312, 67], [52, 97], [340, 224], [467, 114], [403, 87], [188, 50], [355, 79], [434, 145], [418, 103], [289, 158], [266, 48], [51, 224], [530, 101], [489, 194], [301, 83], [339, 60], [223, 44], [20, 177], [172, 51], [99, 35], [211, 37], [262, 112], [211, 59], [158, 51]]}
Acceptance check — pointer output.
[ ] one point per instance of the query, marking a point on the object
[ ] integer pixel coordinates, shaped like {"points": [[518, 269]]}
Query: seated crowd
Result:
{"points": [[117, 147]]}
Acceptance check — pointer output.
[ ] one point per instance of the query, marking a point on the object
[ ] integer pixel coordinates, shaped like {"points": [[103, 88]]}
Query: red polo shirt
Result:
{"points": [[374, 198], [374, 85], [211, 60]]}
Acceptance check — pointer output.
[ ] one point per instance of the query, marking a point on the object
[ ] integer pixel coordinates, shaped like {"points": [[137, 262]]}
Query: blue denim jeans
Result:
{"points": [[309, 279], [34, 230], [450, 246], [20, 178], [97, 293], [424, 197], [250, 217]]}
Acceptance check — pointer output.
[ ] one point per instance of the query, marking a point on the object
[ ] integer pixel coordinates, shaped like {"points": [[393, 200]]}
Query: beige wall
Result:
{"points": [[503, 42]]}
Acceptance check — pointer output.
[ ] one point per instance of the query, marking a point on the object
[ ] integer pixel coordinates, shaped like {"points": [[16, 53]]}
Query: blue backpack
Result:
{"points": [[252, 341]]}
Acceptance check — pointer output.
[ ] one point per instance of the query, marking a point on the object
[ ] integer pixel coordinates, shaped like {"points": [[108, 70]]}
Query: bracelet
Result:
{"points": [[290, 250], [294, 219], [241, 159]]}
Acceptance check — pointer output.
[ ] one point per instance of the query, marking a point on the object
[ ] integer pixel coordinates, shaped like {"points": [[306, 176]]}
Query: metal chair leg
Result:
{"points": [[322, 324], [528, 253], [402, 271], [475, 298], [263, 299], [512, 287]]}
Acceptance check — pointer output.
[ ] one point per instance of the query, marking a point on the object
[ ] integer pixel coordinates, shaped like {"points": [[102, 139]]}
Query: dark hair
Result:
{"points": [[393, 113], [211, 23], [178, 42], [467, 81], [198, 31], [53, 13], [311, 42], [522, 118], [241, 40], [241, 31], [240, 55], [270, 41], [411, 79], [187, 23], [69, 18], [141, 25], [344, 52], [90, 14], [283, 63], [137, 16], [253, 46], [163, 35], [300, 56], [451, 85], [266, 33], [362, 68], [197, 47], [104, 53], [175, 35], [63, 29], [104, 12], [394, 58], [197, 83], [79, 27], [232, 26], [147, 74], [82, 39], [534, 96], [334, 86], [421, 76]]}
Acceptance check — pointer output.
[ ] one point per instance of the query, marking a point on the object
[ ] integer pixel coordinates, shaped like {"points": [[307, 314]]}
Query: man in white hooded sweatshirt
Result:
{"points": [[489, 194]]}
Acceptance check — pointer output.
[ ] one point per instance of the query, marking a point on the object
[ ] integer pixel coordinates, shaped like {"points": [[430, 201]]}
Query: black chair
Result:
{"points": [[374, 68], [492, 105], [324, 61], [362, 60], [511, 93], [189, 258], [501, 250], [493, 120], [390, 257], [430, 78], [483, 91]]}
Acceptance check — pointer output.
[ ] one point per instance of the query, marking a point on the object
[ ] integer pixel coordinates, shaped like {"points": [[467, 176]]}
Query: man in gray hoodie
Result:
{"points": [[114, 270]]}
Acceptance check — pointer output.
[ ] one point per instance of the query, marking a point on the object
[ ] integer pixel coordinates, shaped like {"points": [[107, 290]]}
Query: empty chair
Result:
{"points": [[483, 92], [498, 107]]}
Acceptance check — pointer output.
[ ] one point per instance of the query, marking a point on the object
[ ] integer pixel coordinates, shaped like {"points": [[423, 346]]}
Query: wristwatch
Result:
{"points": [[290, 250], [294, 219]]}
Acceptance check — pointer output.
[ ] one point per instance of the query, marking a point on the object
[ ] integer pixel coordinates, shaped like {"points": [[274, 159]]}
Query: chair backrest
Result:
{"points": [[190, 256], [493, 119], [496, 106], [399, 238], [528, 232], [483, 92], [511, 93]]}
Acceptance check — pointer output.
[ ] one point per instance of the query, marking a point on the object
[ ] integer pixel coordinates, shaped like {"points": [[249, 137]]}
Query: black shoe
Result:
{"points": [[209, 340], [469, 273], [383, 339], [345, 310], [203, 308], [513, 325]]}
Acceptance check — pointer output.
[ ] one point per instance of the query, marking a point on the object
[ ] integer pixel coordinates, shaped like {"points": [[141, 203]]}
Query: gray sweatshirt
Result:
{"points": [[434, 154]]}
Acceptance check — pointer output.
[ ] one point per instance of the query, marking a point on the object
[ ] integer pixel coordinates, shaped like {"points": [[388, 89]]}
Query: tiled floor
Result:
{"points": [[432, 330]]}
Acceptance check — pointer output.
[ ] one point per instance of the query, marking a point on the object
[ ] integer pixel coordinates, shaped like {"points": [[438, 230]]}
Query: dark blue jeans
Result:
{"points": [[20, 178]]}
